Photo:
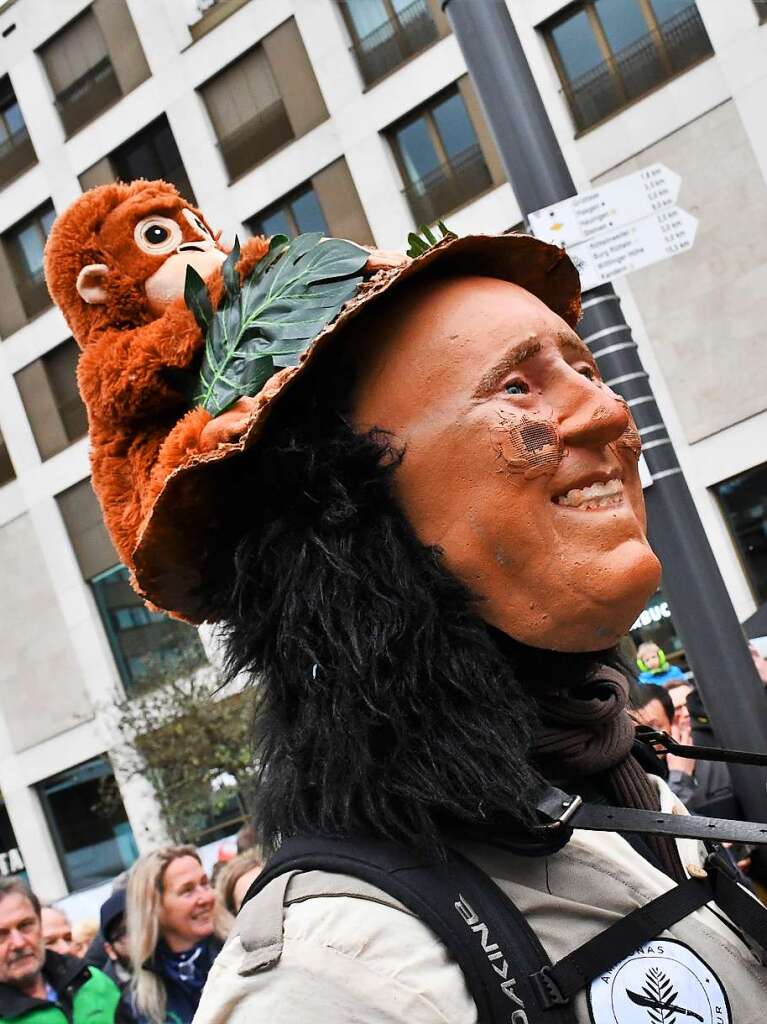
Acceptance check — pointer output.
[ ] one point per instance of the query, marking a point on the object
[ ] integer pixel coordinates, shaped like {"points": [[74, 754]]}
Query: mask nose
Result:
{"points": [[597, 418]]}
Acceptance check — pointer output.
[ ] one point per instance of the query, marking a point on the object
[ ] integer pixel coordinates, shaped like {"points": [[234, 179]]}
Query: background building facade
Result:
{"points": [[357, 119]]}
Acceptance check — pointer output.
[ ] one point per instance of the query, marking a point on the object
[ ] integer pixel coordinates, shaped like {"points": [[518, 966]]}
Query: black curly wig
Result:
{"points": [[384, 704]]}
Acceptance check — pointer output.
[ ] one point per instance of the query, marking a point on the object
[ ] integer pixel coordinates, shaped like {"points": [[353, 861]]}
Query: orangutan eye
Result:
{"points": [[516, 387], [156, 234]]}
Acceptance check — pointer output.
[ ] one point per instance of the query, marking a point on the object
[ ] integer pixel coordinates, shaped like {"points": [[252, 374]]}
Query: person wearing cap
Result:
{"points": [[116, 942], [421, 526]]}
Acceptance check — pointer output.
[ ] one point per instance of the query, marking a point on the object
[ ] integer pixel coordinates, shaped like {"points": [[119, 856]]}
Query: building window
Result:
{"points": [[247, 111], [24, 244], [7, 472], [263, 100], [386, 33], [88, 823], [743, 500], [439, 157], [328, 202], [16, 150], [80, 71], [292, 215], [48, 389], [146, 645], [655, 624], [152, 154], [609, 53]]}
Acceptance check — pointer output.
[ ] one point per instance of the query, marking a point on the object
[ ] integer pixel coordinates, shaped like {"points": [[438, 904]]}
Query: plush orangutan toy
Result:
{"points": [[115, 264]]}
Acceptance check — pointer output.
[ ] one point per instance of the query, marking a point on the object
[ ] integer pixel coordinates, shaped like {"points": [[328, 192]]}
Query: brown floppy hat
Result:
{"points": [[173, 562]]}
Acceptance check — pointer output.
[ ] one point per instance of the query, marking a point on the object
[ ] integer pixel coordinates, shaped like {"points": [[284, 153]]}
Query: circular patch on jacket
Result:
{"points": [[664, 982]]}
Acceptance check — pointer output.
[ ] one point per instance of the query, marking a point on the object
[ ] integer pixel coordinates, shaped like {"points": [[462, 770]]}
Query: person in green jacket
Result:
{"points": [[38, 986]]}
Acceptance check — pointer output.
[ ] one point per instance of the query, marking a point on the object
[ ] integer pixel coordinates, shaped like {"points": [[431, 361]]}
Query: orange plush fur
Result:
{"points": [[141, 427]]}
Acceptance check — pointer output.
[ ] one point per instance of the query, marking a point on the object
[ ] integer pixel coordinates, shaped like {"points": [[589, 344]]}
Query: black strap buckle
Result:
{"points": [[557, 808], [546, 989]]}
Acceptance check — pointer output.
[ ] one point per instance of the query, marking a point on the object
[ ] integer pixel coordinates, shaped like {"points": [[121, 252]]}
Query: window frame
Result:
{"points": [[53, 827], [17, 261], [426, 111], [62, 100], [610, 61], [132, 682], [148, 133], [399, 32], [725, 513], [450, 173], [286, 201]]}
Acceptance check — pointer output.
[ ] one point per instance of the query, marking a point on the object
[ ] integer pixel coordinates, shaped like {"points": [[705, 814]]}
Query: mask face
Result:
{"points": [[519, 463]]}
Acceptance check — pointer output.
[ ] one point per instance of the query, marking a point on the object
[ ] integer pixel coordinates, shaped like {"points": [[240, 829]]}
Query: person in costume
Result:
{"points": [[414, 510]]}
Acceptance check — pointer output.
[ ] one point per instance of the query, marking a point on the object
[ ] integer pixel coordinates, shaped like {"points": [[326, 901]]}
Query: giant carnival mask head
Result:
{"points": [[519, 464]]}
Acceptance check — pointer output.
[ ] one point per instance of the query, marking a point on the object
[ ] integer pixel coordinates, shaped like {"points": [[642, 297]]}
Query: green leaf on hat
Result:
{"points": [[419, 244], [270, 320]]}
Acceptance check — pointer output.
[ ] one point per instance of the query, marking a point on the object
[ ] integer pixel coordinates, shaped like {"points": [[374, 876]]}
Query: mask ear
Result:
{"points": [[90, 285]]}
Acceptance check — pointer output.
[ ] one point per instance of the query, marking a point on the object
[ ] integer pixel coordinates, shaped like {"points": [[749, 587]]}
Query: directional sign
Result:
{"points": [[611, 206], [632, 247]]}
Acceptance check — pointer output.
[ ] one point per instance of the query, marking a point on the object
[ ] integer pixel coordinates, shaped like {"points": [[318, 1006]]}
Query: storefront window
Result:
{"points": [[88, 824], [743, 500], [11, 861], [655, 625]]}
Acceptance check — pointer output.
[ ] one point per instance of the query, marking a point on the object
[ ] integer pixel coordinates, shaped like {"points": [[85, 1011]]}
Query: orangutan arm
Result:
{"points": [[128, 374]]}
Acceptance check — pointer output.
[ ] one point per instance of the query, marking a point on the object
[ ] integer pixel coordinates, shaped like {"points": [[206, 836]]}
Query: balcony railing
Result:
{"points": [[256, 139], [88, 96], [395, 41], [16, 155], [448, 186], [676, 45], [33, 294]]}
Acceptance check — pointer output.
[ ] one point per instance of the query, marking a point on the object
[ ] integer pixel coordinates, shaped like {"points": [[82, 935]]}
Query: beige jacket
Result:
{"points": [[331, 949]]}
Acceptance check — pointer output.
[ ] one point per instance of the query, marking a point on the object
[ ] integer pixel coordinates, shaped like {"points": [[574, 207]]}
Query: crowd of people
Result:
{"points": [[144, 962], [667, 700]]}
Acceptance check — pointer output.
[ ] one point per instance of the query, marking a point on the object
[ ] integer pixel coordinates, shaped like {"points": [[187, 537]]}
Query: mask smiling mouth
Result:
{"points": [[607, 494]]}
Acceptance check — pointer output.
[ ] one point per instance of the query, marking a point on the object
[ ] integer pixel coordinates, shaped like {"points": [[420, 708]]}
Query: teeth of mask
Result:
{"points": [[594, 496]]}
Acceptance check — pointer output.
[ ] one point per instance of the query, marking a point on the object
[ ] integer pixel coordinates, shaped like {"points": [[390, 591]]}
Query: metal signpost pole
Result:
{"points": [[701, 606]]}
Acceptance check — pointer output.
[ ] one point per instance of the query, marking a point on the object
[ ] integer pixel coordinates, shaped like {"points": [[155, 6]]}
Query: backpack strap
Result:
{"points": [[718, 883], [487, 935]]}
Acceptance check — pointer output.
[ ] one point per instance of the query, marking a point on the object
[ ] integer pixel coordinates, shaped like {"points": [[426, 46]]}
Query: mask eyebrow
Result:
{"points": [[572, 343], [492, 380]]}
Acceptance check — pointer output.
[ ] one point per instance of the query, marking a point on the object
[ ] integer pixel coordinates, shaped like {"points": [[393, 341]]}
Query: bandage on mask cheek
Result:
{"points": [[532, 447]]}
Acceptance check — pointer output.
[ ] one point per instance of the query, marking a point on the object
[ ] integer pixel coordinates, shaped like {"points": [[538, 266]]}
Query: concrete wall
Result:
{"points": [[41, 687], [706, 310]]}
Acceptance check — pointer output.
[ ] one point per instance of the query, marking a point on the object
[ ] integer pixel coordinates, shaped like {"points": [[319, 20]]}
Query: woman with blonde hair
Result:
{"points": [[170, 922], [233, 881]]}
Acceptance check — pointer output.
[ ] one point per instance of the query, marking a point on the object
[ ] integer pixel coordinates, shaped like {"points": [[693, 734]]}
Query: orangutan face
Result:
{"points": [[519, 463], [152, 240]]}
